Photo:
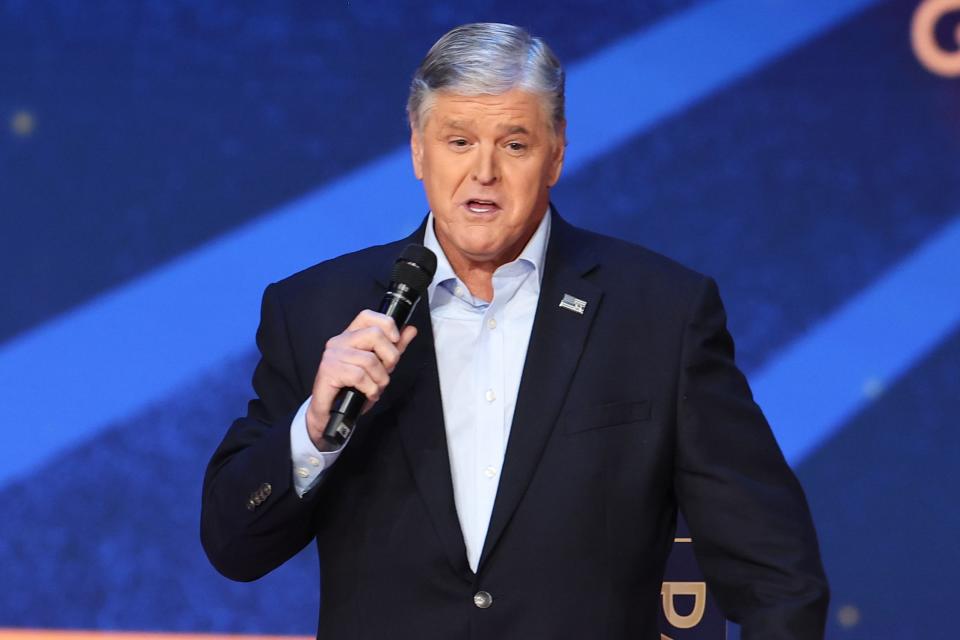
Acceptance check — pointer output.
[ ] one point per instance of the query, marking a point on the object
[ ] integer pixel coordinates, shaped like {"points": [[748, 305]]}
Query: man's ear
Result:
{"points": [[416, 151], [559, 151]]}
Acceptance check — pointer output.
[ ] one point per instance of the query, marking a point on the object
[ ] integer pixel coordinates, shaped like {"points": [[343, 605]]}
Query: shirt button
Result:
{"points": [[489, 472], [482, 599], [458, 290], [303, 472], [313, 460], [490, 395], [492, 323]]}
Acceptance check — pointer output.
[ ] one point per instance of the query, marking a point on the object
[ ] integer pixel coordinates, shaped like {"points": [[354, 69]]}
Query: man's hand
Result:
{"points": [[362, 357]]}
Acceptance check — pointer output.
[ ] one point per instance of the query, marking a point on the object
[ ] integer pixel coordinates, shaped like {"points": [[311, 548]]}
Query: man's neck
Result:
{"points": [[477, 275], [479, 280]]}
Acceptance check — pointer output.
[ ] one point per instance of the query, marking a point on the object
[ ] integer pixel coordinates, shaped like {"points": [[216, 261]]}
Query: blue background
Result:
{"points": [[135, 134]]}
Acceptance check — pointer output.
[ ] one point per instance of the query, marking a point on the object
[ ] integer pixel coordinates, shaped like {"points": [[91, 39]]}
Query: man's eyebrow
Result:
{"points": [[454, 124], [505, 129], [511, 129]]}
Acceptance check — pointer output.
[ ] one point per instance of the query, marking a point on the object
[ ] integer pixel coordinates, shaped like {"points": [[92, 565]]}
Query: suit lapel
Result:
{"points": [[422, 431], [414, 395], [556, 343]]}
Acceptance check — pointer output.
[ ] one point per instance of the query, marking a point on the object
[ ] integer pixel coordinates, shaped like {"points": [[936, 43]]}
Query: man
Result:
{"points": [[530, 436]]}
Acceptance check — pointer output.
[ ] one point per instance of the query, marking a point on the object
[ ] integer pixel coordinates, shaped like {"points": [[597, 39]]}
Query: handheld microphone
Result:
{"points": [[412, 273]]}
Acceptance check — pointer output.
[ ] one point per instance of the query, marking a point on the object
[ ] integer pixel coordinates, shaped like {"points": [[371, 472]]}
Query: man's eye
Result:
{"points": [[516, 146], [459, 142]]}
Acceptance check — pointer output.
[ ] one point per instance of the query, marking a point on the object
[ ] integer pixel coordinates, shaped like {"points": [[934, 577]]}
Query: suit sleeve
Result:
{"points": [[252, 519], [753, 534]]}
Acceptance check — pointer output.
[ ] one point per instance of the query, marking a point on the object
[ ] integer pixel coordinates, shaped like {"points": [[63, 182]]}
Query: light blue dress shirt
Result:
{"points": [[480, 347]]}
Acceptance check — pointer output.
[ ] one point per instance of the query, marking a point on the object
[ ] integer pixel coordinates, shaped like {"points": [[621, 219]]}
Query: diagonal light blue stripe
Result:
{"points": [[641, 80], [821, 380], [137, 344]]}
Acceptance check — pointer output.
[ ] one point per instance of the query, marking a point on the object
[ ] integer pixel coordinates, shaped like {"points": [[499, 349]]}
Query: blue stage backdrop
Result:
{"points": [[146, 147]]}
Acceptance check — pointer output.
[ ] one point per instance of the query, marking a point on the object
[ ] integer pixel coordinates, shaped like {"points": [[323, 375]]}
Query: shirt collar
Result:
{"points": [[534, 253]]}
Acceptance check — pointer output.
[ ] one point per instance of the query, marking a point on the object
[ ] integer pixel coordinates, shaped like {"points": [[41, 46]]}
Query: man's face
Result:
{"points": [[486, 163]]}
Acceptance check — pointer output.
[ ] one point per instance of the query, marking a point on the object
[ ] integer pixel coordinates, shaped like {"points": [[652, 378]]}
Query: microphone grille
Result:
{"points": [[415, 268]]}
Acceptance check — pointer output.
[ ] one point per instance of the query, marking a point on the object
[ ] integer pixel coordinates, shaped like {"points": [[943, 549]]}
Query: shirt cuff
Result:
{"points": [[308, 461]]}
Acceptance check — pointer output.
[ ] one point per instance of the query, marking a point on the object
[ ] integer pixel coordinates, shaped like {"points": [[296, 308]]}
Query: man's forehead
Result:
{"points": [[513, 112]]}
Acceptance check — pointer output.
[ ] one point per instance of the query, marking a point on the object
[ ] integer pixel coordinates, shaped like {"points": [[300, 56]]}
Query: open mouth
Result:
{"points": [[481, 206]]}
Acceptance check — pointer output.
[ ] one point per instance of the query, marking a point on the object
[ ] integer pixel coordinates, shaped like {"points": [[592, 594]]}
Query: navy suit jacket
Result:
{"points": [[625, 413]]}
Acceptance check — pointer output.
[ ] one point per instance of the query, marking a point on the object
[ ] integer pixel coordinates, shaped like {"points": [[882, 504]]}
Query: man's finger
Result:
{"points": [[369, 361], [368, 318], [406, 337], [370, 339], [350, 375], [364, 338]]}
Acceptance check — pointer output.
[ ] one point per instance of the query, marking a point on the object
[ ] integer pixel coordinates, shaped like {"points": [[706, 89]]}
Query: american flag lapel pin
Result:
{"points": [[573, 304]]}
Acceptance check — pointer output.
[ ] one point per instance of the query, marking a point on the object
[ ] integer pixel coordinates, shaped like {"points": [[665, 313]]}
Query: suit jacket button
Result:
{"points": [[482, 599], [265, 489], [251, 504]]}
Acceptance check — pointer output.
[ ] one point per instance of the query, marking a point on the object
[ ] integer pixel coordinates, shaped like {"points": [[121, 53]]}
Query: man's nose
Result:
{"points": [[485, 170]]}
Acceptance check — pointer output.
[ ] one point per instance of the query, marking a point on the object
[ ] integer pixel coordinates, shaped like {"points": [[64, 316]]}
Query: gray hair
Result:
{"points": [[488, 58]]}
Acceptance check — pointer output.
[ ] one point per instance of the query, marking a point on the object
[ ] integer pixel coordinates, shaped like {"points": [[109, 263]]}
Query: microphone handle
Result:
{"points": [[398, 303]]}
